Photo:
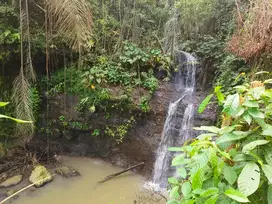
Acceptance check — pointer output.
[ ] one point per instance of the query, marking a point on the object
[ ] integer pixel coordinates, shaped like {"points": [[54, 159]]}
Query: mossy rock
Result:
{"points": [[11, 181], [67, 171], [40, 176]]}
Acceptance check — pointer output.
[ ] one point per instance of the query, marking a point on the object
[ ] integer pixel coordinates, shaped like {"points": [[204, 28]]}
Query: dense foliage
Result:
{"points": [[231, 163]]}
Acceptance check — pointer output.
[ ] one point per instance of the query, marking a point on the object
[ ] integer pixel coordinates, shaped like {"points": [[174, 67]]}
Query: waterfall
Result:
{"points": [[178, 124]]}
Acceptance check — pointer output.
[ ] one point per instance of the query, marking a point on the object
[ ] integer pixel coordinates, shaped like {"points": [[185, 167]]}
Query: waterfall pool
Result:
{"points": [[84, 189]]}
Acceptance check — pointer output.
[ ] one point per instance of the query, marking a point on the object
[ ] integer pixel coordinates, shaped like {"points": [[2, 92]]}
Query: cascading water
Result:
{"points": [[178, 125]]}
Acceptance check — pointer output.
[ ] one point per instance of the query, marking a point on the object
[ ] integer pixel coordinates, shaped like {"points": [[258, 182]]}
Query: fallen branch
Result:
{"points": [[121, 172]]}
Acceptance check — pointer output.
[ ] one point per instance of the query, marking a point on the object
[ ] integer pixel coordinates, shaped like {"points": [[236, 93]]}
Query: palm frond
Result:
{"points": [[21, 85], [23, 104], [73, 20]]}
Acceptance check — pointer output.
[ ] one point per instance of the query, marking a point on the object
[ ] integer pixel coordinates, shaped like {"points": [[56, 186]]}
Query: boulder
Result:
{"points": [[40, 176], [67, 171], [11, 181]]}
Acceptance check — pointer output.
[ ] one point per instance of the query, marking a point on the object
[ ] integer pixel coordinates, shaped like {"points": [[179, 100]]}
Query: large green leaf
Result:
{"points": [[247, 118], [269, 194], [2, 104], [186, 188], [251, 104], [257, 92], [180, 160], [206, 136], [267, 169], [220, 96], [267, 131], [174, 193], [209, 192], [204, 103], [236, 195], [229, 174], [212, 129], [249, 179], [231, 104], [197, 179], [212, 200], [236, 135], [250, 146], [182, 172], [173, 180], [227, 129], [14, 119], [243, 157], [268, 155], [255, 113]]}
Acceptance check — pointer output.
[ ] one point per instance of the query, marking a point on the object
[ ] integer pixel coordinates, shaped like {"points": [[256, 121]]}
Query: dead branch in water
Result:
{"points": [[121, 172]]}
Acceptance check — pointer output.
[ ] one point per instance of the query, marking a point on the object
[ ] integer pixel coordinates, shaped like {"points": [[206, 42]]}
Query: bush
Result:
{"points": [[231, 163]]}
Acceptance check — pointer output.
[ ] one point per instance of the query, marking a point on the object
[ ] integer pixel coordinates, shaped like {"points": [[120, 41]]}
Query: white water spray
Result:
{"points": [[179, 122]]}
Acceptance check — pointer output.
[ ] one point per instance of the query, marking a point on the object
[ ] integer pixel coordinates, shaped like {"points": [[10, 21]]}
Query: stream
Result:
{"points": [[84, 189]]}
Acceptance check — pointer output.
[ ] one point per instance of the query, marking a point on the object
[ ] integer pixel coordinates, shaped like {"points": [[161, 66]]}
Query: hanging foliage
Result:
{"points": [[72, 20]]}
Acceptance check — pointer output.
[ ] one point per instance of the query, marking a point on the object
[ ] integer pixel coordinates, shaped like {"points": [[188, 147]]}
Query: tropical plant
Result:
{"points": [[231, 163]]}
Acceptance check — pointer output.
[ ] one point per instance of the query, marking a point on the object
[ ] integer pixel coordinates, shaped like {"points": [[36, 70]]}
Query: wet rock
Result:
{"points": [[3, 176], [67, 171], [10, 192], [12, 181], [40, 176]]}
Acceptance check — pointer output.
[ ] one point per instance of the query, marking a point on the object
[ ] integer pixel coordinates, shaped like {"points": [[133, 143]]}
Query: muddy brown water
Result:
{"points": [[84, 189]]}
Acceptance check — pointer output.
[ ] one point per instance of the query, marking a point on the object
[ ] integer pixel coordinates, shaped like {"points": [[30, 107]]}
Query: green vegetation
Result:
{"points": [[229, 164], [99, 62]]}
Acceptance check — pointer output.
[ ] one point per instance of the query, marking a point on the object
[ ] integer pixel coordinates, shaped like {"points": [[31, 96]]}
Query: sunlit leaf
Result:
{"points": [[247, 118], [236, 195], [252, 145], [209, 192], [204, 103], [182, 172], [249, 179], [2, 104], [252, 104], [267, 131], [255, 113], [267, 169], [212, 129], [186, 188], [212, 200], [174, 192], [14, 119], [231, 104], [229, 174], [219, 94], [173, 180]]}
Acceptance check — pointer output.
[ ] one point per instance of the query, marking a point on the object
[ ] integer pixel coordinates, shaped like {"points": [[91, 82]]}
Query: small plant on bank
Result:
{"points": [[96, 133], [232, 163], [144, 104], [119, 132]]}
